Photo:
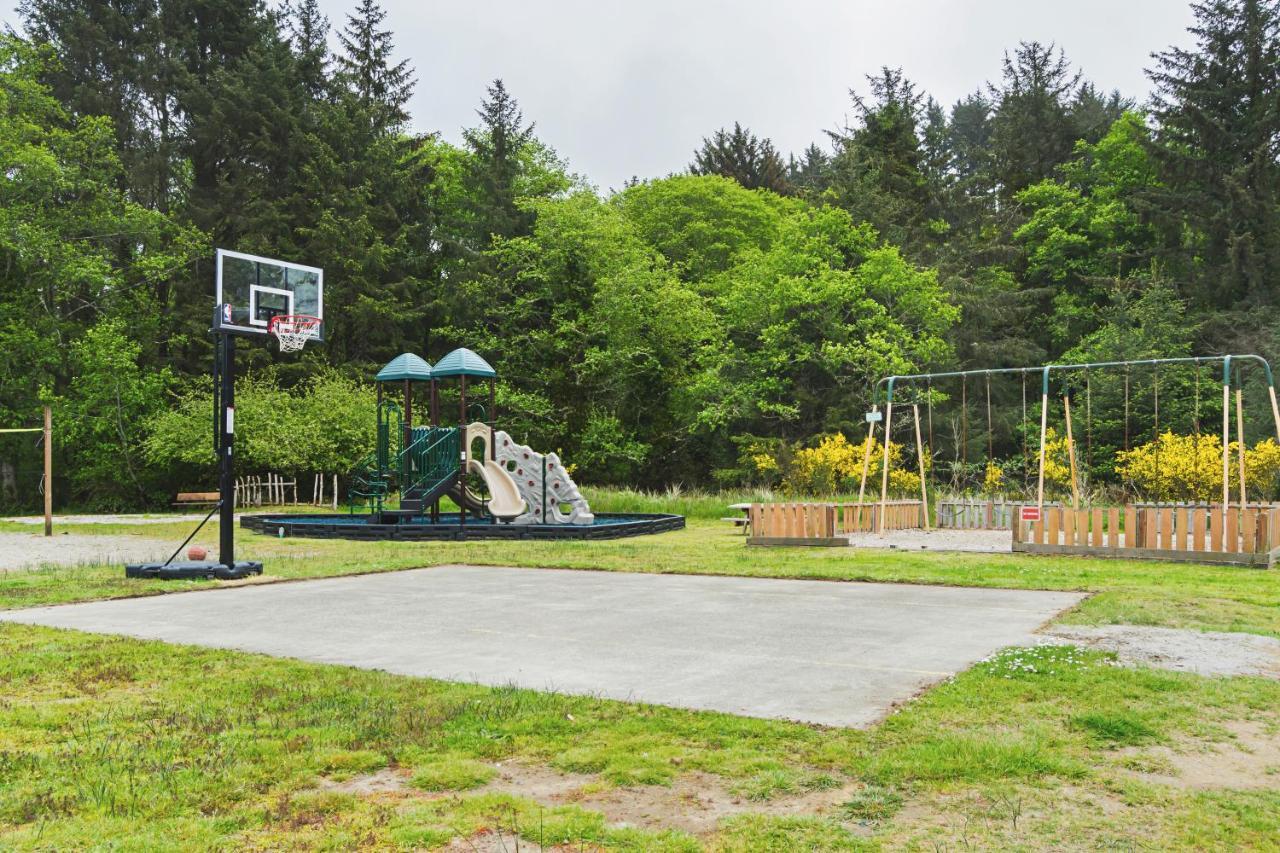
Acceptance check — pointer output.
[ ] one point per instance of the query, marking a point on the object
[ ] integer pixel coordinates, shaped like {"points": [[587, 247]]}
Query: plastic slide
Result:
{"points": [[504, 497]]}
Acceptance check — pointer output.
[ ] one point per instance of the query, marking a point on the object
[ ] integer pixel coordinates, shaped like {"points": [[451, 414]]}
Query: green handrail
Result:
{"points": [[429, 460]]}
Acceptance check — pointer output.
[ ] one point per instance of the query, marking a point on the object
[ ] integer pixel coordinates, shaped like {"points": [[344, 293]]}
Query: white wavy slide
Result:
{"points": [[504, 496]]}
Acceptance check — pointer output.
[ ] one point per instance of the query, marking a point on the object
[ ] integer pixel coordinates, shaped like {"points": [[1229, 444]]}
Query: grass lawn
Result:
{"points": [[109, 741]]}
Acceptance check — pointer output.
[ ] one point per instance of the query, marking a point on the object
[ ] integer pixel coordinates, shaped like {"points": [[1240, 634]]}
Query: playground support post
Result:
{"points": [[48, 471], [1044, 425], [1226, 437], [1071, 453], [1275, 409], [884, 472], [866, 458], [462, 459], [1240, 443], [924, 494]]}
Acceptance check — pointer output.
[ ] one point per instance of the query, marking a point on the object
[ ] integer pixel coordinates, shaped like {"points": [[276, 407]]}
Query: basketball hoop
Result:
{"points": [[293, 331]]}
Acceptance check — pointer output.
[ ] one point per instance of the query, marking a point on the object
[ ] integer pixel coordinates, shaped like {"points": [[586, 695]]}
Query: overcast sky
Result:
{"points": [[631, 88]]}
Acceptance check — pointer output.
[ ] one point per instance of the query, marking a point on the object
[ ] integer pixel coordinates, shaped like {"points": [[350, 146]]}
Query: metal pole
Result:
{"points": [[884, 474], [407, 438], [48, 471], [1044, 424], [226, 458], [924, 494], [1226, 437], [462, 463]]}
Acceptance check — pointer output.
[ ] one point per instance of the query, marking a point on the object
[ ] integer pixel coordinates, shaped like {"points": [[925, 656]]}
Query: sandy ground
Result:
{"points": [[108, 519], [1201, 652], [24, 551], [986, 541]]}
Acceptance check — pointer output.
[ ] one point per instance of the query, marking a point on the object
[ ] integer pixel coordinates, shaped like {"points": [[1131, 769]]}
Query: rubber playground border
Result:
{"points": [[606, 526]]}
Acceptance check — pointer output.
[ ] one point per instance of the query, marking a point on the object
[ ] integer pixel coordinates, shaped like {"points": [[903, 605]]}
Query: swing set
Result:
{"points": [[1068, 372]]}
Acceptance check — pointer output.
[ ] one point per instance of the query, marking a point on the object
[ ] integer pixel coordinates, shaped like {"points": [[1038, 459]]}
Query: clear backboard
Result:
{"points": [[251, 290]]}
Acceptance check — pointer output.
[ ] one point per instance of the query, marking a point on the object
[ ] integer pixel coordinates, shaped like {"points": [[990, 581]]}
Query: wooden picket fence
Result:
{"points": [[1180, 532], [826, 523]]}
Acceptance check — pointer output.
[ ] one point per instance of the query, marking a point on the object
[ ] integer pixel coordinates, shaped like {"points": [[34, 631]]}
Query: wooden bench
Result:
{"points": [[196, 498]]}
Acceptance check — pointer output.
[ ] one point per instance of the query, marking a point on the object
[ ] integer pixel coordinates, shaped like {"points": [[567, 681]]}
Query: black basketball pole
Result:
{"points": [[226, 460]]}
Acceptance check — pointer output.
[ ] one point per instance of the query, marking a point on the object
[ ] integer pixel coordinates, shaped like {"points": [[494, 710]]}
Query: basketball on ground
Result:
{"points": [[195, 552]]}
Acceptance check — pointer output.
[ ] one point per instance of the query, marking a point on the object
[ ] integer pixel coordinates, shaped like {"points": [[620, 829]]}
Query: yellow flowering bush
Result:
{"points": [[993, 480], [1189, 467], [836, 465], [1057, 461]]}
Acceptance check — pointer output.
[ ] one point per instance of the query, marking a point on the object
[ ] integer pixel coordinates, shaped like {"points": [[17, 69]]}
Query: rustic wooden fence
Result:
{"points": [[826, 523], [1181, 532]]}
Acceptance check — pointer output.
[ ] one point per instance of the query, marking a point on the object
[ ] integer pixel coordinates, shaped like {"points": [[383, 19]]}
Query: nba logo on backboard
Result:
{"points": [[226, 312]]}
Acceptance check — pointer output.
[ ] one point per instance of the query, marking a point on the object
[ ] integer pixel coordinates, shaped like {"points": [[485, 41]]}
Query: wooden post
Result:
{"points": [[866, 458], [1071, 453], [924, 493], [1275, 410], [1044, 425], [1244, 500], [48, 471], [884, 472], [1226, 441]]}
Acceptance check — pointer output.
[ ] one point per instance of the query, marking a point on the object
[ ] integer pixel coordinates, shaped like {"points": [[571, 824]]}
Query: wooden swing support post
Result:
{"points": [[1071, 453], [47, 480]]}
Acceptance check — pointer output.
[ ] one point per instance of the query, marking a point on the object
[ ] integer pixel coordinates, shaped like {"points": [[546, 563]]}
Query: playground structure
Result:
{"points": [[1226, 531], [424, 464], [397, 490]]}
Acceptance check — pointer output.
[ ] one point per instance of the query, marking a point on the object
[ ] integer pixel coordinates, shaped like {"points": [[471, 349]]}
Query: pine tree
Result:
{"points": [[739, 154], [365, 64], [497, 146], [877, 172], [1217, 113], [1032, 131], [810, 175], [309, 31]]}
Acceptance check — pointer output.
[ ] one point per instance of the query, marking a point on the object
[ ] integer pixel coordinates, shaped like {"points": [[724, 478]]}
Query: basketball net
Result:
{"points": [[292, 331]]}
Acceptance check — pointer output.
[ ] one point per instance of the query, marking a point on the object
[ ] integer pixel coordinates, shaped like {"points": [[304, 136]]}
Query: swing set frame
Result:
{"points": [[887, 385]]}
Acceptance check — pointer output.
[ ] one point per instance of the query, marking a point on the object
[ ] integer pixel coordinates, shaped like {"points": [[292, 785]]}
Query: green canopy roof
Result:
{"points": [[405, 366], [462, 362]]}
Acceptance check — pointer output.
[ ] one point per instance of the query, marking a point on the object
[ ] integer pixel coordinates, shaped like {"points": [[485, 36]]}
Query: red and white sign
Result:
{"points": [[1031, 513]]}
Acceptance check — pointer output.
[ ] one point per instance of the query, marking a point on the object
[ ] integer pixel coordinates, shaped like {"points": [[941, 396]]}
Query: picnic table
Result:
{"points": [[743, 520]]}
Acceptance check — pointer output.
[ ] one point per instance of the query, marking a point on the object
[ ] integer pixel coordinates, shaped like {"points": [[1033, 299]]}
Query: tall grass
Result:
{"points": [[691, 503]]}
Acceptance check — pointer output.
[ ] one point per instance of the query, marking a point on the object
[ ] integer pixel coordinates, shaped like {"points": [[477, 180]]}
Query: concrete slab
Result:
{"points": [[831, 653]]}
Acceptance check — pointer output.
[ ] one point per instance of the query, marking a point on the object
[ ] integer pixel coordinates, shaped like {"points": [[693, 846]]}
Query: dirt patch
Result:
{"points": [[382, 782], [493, 842], [981, 541], [1201, 652], [1249, 758], [26, 551], [695, 803]]}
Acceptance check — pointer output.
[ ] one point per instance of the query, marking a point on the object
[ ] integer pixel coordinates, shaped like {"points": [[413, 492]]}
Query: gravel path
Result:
{"points": [[986, 541], [25, 551], [1201, 652]]}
